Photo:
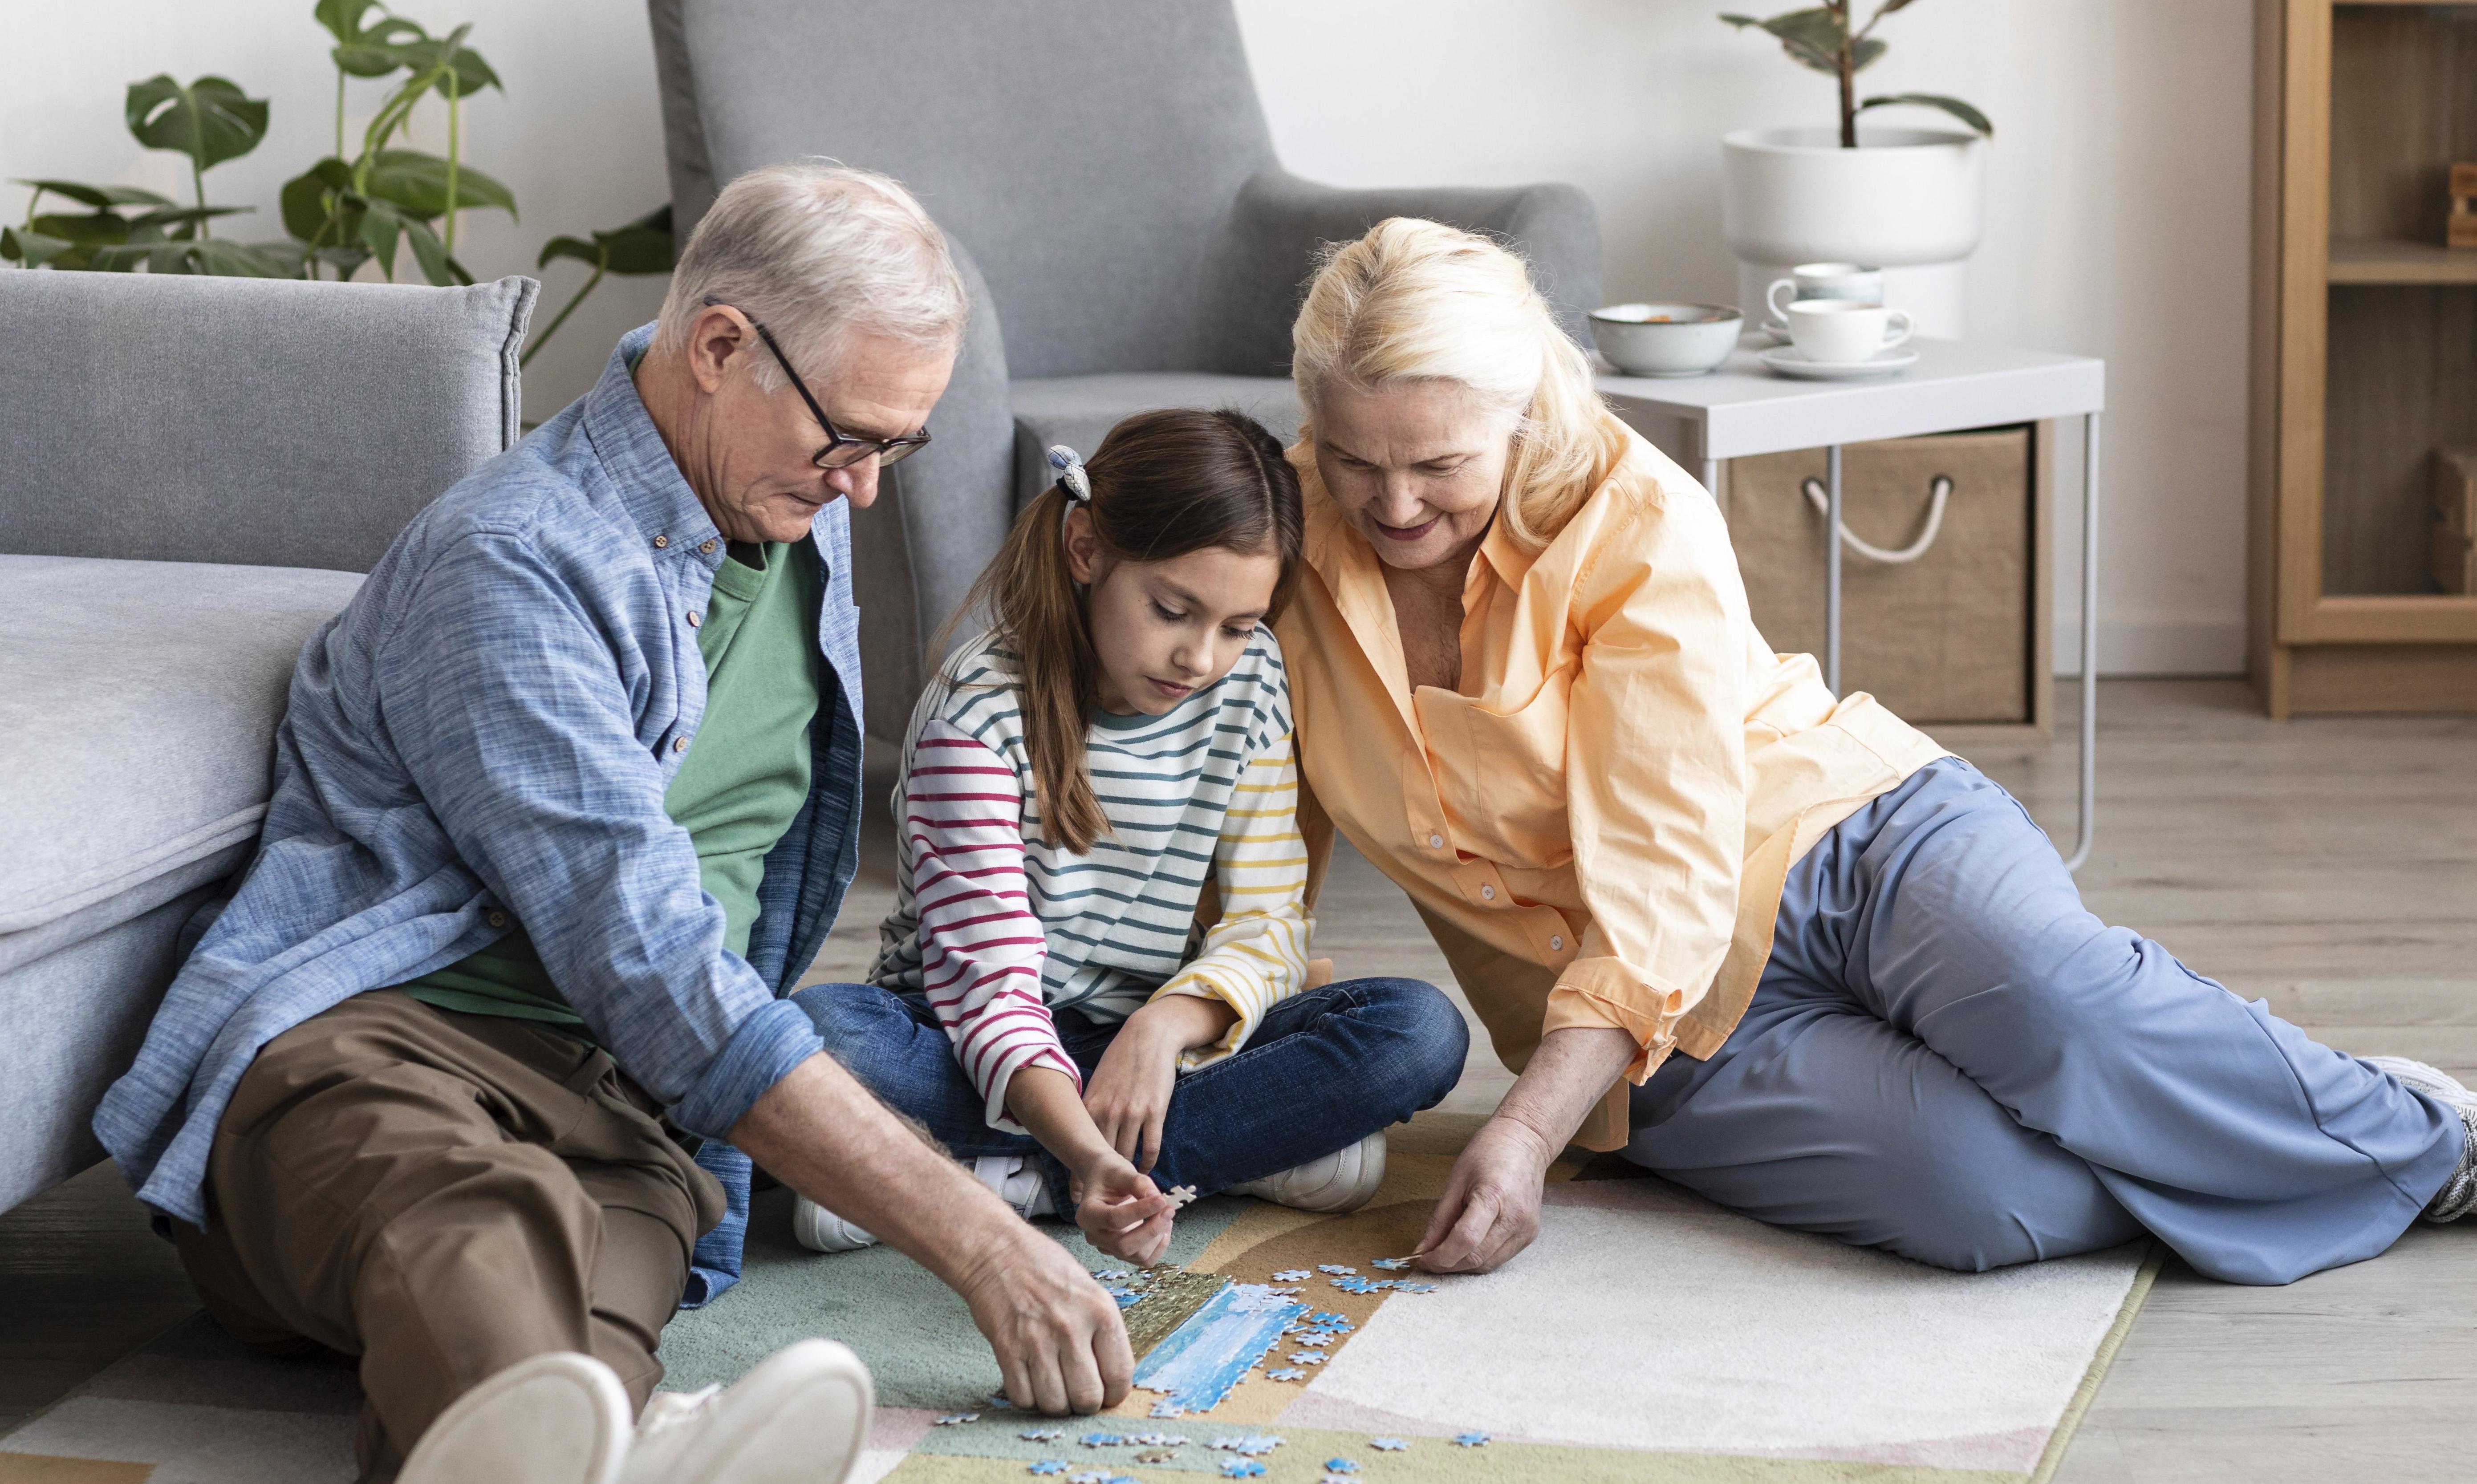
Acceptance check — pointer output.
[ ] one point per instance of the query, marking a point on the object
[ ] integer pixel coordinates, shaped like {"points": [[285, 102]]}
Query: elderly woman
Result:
{"points": [[1527, 688]]}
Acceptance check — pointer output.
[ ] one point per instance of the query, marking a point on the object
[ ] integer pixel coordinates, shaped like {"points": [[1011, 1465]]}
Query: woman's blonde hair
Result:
{"points": [[1417, 299]]}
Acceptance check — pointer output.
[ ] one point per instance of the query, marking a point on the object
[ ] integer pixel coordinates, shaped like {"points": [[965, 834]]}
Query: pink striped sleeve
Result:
{"points": [[980, 946]]}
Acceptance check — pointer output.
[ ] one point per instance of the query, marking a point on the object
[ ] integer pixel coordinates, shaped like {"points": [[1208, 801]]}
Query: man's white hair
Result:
{"points": [[818, 253]]}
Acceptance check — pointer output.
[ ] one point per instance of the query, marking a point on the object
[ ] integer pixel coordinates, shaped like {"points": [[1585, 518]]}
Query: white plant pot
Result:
{"points": [[1908, 201], [1903, 197]]}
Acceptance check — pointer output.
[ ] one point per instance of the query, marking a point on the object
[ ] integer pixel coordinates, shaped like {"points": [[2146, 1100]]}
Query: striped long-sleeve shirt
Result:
{"points": [[996, 926]]}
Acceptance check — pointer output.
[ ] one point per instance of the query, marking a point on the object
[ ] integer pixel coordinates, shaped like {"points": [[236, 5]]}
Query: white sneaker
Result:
{"points": [[555, 1418], [800, 1417], [1016, 1181], [821, 1230], [1343, 1180], [2458, 1196]]}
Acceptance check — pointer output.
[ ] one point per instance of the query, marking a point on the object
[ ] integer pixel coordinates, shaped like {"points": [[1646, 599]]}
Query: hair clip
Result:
{"points": [[1069, 466]]}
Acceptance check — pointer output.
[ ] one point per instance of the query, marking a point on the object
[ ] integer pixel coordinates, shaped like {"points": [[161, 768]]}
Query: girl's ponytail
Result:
{"points": [[1161, 486]]}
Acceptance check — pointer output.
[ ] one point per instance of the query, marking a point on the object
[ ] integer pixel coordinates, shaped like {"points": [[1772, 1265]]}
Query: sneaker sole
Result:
{"points": [[807, 1414], [557, 1419]]}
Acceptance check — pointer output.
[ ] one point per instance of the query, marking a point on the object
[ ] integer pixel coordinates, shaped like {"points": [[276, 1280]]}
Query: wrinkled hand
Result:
{"points": [[1121, 1211], [1058, 1337], [1490, 1207], [1128, 1094]]}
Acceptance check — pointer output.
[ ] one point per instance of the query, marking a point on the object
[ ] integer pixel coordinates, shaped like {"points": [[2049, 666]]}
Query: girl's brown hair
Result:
{"points": [[1164, 484]]}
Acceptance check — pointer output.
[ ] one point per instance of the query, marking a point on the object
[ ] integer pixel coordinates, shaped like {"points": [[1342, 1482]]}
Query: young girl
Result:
{"points": [[1075, 782]]}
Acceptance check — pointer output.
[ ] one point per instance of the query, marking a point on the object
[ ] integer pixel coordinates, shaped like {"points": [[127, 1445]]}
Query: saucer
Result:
{"points": [[1787, 362]]}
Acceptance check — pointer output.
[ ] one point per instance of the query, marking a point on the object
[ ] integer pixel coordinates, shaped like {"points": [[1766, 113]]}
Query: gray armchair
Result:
{"points": [[1131, 242], [192, 471]]}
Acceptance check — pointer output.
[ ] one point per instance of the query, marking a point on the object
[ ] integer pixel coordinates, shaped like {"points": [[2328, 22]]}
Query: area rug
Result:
{"points": [[1647, 1335]]}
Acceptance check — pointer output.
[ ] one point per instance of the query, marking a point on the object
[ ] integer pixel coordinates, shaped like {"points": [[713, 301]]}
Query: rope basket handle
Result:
{"points": [[1938, 491]]}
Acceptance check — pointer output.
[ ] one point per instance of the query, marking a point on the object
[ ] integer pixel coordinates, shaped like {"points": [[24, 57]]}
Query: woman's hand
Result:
{"points": [[1128, 1094], [1490, 1207], [1121, 1211]]}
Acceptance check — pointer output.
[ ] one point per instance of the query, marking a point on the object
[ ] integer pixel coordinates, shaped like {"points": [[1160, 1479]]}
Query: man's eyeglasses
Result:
{"points": [[842, 450]]}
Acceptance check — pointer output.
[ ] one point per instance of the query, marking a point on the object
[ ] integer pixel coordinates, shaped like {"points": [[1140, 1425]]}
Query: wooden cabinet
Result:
{"points": [[2365, 353]]}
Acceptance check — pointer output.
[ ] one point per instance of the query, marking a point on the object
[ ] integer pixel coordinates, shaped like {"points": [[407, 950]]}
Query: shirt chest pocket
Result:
{"points": [[1501, 773]]}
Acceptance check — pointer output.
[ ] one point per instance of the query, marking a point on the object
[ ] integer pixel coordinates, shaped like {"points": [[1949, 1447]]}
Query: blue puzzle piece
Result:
{"points": [[1339, 1466], [1471, 1439], [1047, 1466], [1387, 1445], [1286, 1373], [1334, 1267], [1242, 1469]]}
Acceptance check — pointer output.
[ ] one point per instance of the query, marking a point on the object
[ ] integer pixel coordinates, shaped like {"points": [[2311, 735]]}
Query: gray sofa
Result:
{"points": [[1130, 239], [193, 471]]}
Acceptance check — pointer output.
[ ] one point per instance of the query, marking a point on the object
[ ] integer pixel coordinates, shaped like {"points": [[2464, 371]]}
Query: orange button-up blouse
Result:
{"points": [[1596, 827]]}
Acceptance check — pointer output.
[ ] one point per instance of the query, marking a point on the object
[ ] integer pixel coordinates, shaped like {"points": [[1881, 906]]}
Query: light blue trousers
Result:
{"points": [[1950, 1059]]}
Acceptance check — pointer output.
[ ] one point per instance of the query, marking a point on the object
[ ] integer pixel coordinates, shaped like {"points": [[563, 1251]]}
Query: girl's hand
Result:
{"points": [[1128, 1094], [1121, 1211]]}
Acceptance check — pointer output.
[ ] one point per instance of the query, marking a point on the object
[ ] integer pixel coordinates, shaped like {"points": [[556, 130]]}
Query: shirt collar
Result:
{"points": [[651, 488]]}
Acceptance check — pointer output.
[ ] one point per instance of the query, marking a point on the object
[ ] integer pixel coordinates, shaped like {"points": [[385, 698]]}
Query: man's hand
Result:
{"points": [[1058, 1337], [1491, 1208], [1128, 1094]]}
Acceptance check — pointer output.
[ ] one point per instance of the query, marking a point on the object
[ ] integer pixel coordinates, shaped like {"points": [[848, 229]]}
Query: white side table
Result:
{"points": [[1744, 409]]}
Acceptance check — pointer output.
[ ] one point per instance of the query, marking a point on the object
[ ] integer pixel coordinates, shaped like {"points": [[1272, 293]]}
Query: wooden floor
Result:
{"points": [[2326, 865]]}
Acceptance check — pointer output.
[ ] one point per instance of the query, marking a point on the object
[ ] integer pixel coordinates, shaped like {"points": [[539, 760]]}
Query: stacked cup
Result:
{"points": [[1834, 313]]}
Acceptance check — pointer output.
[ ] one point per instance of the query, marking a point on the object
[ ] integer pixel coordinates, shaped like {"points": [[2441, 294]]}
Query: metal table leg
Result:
{"points": [[1831, 570], [2089, 645]]}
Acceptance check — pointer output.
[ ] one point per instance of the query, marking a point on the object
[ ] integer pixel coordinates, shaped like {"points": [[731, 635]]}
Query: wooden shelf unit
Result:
{"points": [[2364, 352]]}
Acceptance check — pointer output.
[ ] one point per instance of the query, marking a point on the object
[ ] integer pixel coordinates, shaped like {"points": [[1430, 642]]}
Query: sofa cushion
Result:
{"points": [[137, 709], [1078, 411]]}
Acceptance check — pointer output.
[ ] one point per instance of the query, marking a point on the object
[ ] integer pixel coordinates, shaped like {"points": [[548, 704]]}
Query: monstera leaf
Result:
{"points": [[366, 50], [1813, 37], [642, 246], [417, 183], [209, 120]]}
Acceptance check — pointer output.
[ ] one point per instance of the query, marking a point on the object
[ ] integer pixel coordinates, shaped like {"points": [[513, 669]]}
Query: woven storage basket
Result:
{"points": [[1947, 637]]}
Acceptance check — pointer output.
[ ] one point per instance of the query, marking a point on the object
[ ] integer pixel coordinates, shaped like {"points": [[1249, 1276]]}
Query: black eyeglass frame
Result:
{"points": [[888, 451]]}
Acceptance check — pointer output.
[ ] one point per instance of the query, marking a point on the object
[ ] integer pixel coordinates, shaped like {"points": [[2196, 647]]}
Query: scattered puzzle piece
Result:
{"points": [[1306, 1357], [1158, 1455], [1415, 1288], [1328, 1316], [999, 1403], [1242, 1469], [956, 1419], [1290, 1274], [1356, 1285], [1339, 1466], [1333, 1330], [1286, 1373], [1471, 1439], [1102, 1440], [1047, 1466], [1180, 1196], [1168, 1409], [1317, 1340], [1392, 1264], [1252, 1443], [1042, 1434], [1387, 1445], [1160, 1438], [1334, 1267]]}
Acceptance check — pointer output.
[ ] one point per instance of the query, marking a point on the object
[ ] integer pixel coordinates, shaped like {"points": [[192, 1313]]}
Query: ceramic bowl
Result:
{"points": [[1665, 339]]}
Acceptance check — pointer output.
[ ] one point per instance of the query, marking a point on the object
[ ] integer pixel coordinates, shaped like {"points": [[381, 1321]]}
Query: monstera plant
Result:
{"points": [[1819, 37], [209, 120], [372, 201]]}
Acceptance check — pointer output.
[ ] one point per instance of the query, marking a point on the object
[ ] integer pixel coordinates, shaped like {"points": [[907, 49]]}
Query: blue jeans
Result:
{"points": [[1950, 1059], [1325, 1069]]}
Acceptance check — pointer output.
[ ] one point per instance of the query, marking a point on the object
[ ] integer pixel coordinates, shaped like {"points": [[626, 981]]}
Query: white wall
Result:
{"points": [[2117, 184]]}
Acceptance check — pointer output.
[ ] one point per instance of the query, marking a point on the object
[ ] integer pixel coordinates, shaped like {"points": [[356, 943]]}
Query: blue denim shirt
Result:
{"points": [[490, 725]]}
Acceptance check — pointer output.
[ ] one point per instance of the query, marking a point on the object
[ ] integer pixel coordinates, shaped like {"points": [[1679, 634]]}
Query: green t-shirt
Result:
{"points": [[744, 778]]}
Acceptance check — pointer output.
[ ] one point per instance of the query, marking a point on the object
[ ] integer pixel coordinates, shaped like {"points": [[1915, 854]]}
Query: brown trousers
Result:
{"points": [[442, 1196]]}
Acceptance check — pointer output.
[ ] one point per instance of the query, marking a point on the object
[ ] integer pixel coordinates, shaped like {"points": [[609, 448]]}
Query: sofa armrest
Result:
{"points": [[1279, 222]]}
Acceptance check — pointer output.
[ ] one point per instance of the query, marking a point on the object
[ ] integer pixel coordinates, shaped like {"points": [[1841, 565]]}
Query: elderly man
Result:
{"points": [[564, 799]]}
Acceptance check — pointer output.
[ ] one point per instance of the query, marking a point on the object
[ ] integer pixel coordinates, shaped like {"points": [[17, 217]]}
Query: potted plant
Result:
{"points": [[1885, 197]]}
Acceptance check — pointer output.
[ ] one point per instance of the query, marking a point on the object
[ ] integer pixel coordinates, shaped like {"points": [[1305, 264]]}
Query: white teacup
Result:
{"points": [[1834, 332], [1853, 281]]}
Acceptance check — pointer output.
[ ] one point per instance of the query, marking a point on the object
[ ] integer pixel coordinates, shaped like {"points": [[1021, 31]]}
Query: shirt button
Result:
{"points": [[1487, 894], [661, 541], [1436, 842], [679, 744], [707, 548], [1555, 944], [498, 919], [693, 620]]}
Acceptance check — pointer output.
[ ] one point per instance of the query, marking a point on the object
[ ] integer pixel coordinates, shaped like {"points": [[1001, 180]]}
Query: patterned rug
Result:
{"points": [[1646, 1336]]}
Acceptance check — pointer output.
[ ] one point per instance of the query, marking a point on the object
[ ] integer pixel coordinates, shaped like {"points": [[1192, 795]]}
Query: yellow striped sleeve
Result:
{"points": [[1257, 954]]}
